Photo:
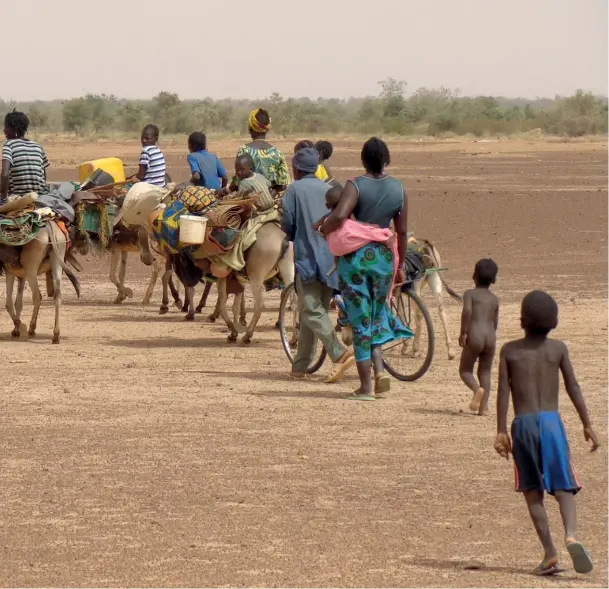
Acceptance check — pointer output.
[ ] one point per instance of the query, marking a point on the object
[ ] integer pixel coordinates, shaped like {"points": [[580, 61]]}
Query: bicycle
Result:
{"points": [[398, 356]]}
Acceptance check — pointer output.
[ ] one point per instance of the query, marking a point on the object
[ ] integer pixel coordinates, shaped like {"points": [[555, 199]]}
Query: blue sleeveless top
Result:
{"points": [[380, 200]]}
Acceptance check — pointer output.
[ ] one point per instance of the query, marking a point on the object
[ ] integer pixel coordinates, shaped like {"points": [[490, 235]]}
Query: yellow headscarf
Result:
{"points": [[255, 125]]}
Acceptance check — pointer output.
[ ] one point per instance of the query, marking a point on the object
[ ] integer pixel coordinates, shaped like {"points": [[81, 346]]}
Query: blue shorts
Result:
{"points": [[542, 459]]}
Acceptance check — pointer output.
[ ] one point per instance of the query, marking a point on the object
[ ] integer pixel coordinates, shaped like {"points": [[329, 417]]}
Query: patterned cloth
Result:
{"points": [[365, 278], [15, 231], [197, 198], [166, 227], [268, 162], [255, 184], [255, 124]]}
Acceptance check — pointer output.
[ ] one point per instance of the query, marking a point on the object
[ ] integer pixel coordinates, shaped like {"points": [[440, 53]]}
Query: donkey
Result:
{"points": [[435, 281], [46, 254]]}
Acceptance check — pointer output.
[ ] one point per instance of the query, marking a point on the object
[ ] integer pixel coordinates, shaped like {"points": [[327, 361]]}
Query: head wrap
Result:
{"points": [[255, 125], [306, 160]]}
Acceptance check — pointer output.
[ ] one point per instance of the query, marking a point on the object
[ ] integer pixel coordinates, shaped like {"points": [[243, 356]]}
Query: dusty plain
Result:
{"points": [[146, 451]]}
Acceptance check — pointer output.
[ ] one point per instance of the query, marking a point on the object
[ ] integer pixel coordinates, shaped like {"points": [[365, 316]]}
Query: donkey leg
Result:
{"points": [[435, 284], [221, 306], [257, 290], [204, 296], [418, 325], [237, 307], [164, 308], [57, 270], [173, 288], [218, 308], [19, 306], [122, 270], [189, 303], [114, 260], [153, 278], [10, 305], [32, 280], [242, 315]]}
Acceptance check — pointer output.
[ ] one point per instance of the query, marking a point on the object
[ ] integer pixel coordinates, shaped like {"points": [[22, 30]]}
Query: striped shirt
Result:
{"points": [[28, 164], [154, 160], [257, 184]]}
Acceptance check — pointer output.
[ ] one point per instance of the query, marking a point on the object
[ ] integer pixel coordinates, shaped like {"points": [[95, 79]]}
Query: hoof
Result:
{"points": [[163, 310], [189, 318], [31, 333], [243, 321], [451, 355], [199, 310], [184, 309], [147, 259], [127, 293], [178, 304], [55, 340], [232, 338], [146, 302], [247, 339], [212, 319], [119, 299]]}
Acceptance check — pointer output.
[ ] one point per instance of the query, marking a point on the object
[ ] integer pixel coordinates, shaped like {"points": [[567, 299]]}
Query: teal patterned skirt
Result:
{"points": [[365, 279]]}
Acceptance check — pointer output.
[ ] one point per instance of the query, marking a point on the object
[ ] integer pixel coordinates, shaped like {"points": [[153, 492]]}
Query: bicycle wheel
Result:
{"points": [[289, 318], [410, 359]]}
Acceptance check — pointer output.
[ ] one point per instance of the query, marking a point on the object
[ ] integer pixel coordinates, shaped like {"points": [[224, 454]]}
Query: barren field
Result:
{"points": [[145, 451]]}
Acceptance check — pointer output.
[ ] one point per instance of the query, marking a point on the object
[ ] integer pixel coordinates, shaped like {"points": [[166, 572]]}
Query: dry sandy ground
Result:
{"points": [[145, 451]]}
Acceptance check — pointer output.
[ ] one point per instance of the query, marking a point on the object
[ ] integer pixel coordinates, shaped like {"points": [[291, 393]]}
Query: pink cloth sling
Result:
{"points": [[353, 235]]}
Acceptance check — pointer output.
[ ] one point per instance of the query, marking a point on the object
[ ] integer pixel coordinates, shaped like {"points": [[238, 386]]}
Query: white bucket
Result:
{"points": [[192, 229]]}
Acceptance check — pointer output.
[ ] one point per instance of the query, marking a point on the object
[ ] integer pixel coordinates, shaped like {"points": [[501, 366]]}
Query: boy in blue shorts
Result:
{"points": [[529, 369], [206, 168]]}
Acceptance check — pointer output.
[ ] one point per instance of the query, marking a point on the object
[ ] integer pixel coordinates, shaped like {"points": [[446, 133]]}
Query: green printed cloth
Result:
{"points": [[16, 231]]}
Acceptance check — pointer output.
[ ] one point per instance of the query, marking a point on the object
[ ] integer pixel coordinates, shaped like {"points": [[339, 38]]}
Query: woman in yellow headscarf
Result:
{"points": [[268, 160]]}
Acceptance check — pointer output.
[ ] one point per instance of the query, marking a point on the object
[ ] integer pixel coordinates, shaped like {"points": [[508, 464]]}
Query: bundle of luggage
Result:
{"points": [[225, 220]]}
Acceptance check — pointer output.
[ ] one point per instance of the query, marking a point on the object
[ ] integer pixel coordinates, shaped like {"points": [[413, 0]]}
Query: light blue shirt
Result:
{"points": [[304, 203]]}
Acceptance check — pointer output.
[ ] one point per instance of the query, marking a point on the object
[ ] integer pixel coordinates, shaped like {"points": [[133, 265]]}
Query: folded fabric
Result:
{"points": [[353, 235]]}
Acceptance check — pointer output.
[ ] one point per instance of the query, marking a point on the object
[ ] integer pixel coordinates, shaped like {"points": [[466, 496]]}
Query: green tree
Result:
{"points": [[76, 115], [38, 116]]}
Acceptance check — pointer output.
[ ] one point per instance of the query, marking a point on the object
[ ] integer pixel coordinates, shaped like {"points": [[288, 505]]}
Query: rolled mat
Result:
{"points": [[233, 216]]}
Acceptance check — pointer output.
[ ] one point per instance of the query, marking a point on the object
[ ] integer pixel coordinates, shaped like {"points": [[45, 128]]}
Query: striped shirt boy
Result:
{"points": [[28, 164], [154, 160]]}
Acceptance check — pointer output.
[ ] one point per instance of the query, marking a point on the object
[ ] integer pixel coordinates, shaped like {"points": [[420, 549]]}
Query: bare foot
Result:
{"points": [[476, 400], [483, 411]]}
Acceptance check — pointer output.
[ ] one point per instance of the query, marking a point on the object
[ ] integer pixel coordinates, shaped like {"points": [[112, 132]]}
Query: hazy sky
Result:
{"points": [[338, 48]]}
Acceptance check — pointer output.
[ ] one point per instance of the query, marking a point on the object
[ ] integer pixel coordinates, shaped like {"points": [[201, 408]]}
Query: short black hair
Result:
{"points": [[334, 192], [305, 143], [153, 128], [485, 272], [198, 141], [17, 122], [325, 149], [375, 155], [247, 157], [539, 313]]}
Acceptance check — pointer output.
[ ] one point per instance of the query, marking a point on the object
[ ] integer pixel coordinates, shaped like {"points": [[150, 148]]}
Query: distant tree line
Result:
{"points": [[434, 112]]}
